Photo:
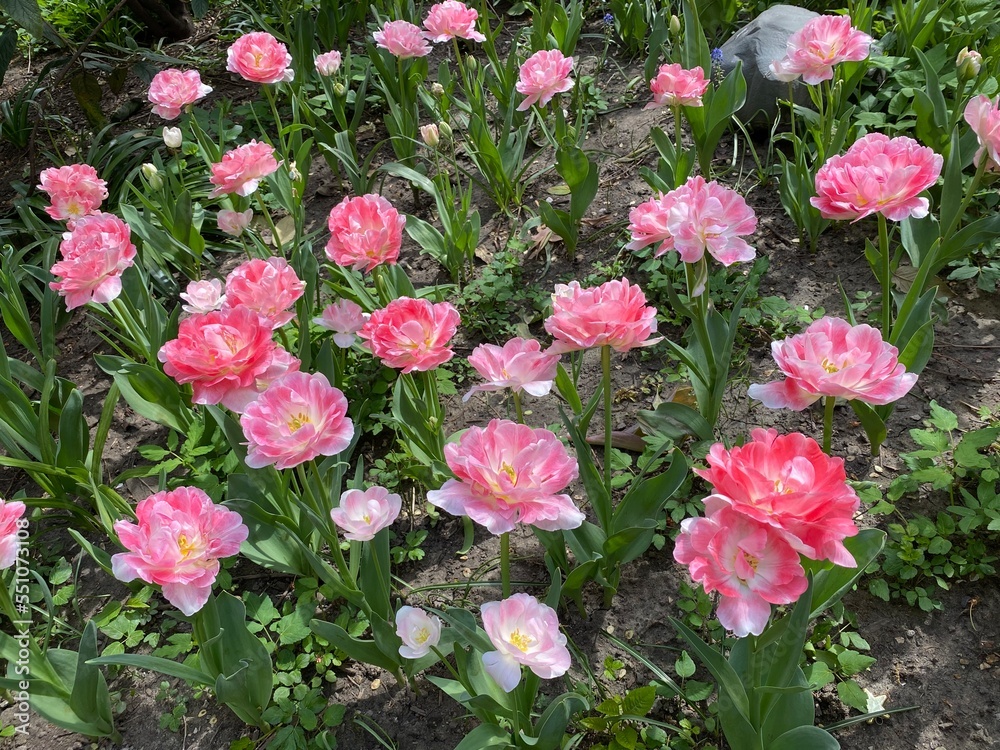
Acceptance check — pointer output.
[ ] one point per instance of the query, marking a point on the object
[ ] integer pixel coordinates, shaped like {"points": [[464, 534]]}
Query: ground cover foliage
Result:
{"points": [[469, 376]]}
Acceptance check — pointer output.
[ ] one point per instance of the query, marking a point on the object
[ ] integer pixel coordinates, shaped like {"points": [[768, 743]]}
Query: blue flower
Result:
{"points": [[609, 20]]}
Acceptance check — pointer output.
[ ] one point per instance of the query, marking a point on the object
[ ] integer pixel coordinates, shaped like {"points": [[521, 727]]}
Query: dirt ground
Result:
{"points": [[944, 663]]}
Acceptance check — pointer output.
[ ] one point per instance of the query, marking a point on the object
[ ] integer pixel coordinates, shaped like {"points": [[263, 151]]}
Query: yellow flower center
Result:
{"points": [[507, 469], [752, 561], [421, 635], [366, 518], [521, 641], [298, 421], [185, 546], [781, 489], [258, 57], [827, 365]]}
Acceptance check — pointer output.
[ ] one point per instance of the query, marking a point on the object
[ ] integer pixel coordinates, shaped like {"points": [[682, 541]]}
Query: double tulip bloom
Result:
{"points": [[411, 334], [525, 633], [362, 514], [177, 544], [10, 516], [983, 116], [813, 50], [365, 231], [242, 169], [542, 76], [74, 191], [172, 91], [452, 20], [268, 287], [95, 253], [520, 365], [775, 498], [675, 86], [613, 314], [260, 58]]}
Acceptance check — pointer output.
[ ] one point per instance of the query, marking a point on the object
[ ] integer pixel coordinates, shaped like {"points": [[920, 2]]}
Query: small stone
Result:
{"points": [[376, 684], [910, 633]]}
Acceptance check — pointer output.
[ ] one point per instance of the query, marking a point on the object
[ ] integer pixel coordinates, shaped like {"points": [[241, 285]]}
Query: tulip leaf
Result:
{"points": [[484, 736], [552, 725], [831, 582], [805, 738]]}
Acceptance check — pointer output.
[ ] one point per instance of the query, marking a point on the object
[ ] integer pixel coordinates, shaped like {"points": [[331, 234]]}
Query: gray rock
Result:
{"points": [[757, 44]]}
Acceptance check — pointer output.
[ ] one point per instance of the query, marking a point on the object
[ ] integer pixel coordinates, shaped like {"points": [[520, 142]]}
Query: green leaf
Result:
{"points": [[724, 674], [156, 664], [552, 725], [484, 736], [851, 693], [831, 582], [805, 738], [818, 675], [684, 666], [26, 14], [872, 423], [942, 418], [87, 90], [639, 701], [366, 652], [851, 663]]}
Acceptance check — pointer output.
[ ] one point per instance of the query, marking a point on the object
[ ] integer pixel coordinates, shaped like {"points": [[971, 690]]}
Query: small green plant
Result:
{"points": [[174, 718], [621, 717], [926, 554], [499, 301], [411, 547]]}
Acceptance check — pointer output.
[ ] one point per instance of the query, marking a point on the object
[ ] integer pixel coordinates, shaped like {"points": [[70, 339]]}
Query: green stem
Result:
{"points": [[518, 407], [606, 378], [270, 223], [505, 564], [883, 243], [966, 200], [829, 403], [678, 147], [269, 95]]}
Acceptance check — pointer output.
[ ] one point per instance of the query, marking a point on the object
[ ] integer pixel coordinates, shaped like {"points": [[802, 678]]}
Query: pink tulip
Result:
{"points": [[94, 254], [419, 631], [299, 416], [520, 365], [707, 216], [787, 482], [878, 174], [430, 135], [328, 63], [268, 287], [543, 75], [749, 563], [365, 232], [234, 222], [452, 19], [260, 58], [412, 334], [613, 314], [172, 90], [11, 513], [177, 544], [228, 357], [983, 116], [648, 224], [345, 318], [813, 50], [74, 191], [832, 358], [363, 514], [203, 296], [526, 633], [242, 169], [402, 39], [674, 86], [509, 473]]}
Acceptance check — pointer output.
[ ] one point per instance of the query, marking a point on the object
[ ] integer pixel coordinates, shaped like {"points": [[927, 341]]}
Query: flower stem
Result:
{"points": [[829, 403], [505, 564], [270, 222], [606, 373], [518, 407], [883, 245], [677, 140]]}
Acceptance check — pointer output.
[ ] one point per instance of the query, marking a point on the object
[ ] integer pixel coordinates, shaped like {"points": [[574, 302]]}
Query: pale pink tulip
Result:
{"points": [[419, 631], [345, 318], [74, 191], [648, 224], [789, 483], [520, 365], [11, 513], [203, 296], [227, 356], [172, 90], [823, 42], [613, 314], [983, 116], [234, 222], [402, 39], [365, 232], [543, 75], [705, 216], [362, 515], [260, 58], [430, 135], [268, 287], [749, 563], [299, 417], [412, 334], [509, 473], [452, 19], [968, 63], [177, 544], [95, 253], [833, 358], [878, 174], [242, 169], [675, 86], [328, 63], [526, 633]]}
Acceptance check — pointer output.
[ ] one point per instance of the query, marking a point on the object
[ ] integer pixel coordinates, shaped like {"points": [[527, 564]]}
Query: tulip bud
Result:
{"points": [[471, 63], [338, 89], [152, 176], [172, 137], [445, 129], [437, 89], [969, 63], [430, 135], [675, 25], [293, 172]]}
